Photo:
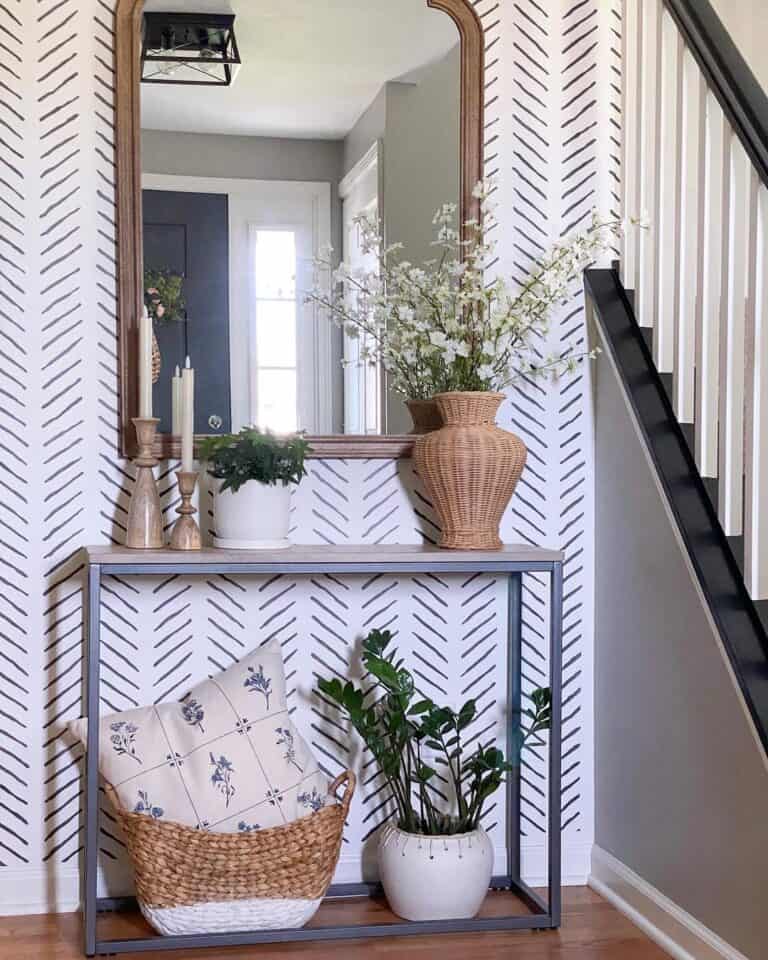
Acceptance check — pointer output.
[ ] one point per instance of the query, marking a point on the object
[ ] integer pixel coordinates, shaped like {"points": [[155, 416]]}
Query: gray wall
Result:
{"points": [[419, 123], [681, 786], [421, 168], [369, 128], [422, 154], [250, 158]]}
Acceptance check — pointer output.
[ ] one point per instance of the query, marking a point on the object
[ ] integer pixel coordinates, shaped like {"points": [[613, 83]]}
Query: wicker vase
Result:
{"points": [[470, 468], [425, 415]]}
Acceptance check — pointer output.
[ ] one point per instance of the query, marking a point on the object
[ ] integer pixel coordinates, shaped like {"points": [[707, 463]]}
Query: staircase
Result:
{"points": [[684, 315]]}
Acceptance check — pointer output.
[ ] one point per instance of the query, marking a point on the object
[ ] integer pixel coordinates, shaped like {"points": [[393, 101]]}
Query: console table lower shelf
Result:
{"points": [[534, 912]]}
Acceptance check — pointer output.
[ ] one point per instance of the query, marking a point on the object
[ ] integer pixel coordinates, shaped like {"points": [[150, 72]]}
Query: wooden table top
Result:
{"points": [[333, 556]]}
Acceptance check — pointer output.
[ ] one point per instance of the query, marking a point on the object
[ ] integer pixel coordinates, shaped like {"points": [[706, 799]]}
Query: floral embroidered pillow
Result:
{"points": [[226, 758]]}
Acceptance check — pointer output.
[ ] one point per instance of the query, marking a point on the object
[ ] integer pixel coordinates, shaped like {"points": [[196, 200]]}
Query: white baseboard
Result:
{"points": [[56, 889], [672, 928], [35, 890]]}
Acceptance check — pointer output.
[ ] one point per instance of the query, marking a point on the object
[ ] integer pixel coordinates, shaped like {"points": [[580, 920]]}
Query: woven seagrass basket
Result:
{"points": [[193, 881]]}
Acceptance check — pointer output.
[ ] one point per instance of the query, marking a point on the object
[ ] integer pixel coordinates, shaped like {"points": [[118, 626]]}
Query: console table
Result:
{"points": [[510, 563]]}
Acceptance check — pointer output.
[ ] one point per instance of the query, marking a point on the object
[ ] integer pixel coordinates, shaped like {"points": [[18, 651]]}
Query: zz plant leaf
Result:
{"points": [[416, 742]]}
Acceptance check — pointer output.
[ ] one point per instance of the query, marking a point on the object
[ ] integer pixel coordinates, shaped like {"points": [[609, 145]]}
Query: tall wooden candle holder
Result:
{"points": [[145, 517], [186, 533]]}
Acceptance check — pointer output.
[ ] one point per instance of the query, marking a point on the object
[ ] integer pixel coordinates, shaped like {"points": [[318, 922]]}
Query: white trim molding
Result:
{"points": [[369, 161], [672, 928]]}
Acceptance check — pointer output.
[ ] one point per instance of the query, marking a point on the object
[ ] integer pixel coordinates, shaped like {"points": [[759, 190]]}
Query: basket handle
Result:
{"points": [[346, 777]]}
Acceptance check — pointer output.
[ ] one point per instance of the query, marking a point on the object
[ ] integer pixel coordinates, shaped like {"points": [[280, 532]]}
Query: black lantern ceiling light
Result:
{"points": [[189, 48]]}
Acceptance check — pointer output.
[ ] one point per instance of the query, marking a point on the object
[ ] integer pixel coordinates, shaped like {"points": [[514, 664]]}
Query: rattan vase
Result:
{"points": [[470, 468], [425, 415]]}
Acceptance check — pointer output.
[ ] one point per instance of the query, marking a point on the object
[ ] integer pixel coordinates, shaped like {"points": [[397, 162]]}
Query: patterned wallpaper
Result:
{"points": [[553, 139]]}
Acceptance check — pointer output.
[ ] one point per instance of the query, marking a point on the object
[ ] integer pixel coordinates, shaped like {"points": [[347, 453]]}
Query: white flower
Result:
{"points": [[450, 351], [341, 274], [643, 221], [417, 320]]}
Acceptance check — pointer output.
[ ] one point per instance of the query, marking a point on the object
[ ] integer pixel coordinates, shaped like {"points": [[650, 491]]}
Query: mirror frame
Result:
{"points": [[128, 18]]}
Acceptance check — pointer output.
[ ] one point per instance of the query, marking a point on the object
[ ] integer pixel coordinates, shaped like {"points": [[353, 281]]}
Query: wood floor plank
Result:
{"points": [[592, 930]]}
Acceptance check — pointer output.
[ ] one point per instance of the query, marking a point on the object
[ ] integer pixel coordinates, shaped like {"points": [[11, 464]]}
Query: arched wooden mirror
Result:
{"points": [[249, 134]]}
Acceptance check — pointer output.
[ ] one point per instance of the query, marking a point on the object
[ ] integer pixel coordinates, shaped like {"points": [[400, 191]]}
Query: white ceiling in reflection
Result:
{"points": [[310, 68]]}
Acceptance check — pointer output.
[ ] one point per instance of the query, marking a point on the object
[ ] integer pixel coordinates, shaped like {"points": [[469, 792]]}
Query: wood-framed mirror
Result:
{"points": [[228, 186]]}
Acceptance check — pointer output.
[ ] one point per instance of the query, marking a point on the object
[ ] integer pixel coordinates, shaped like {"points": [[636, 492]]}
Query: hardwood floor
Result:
{"points": [[592, 930]]}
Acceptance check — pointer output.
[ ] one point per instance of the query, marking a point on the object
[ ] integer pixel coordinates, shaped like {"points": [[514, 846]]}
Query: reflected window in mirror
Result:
{"points": [[275, 384]]}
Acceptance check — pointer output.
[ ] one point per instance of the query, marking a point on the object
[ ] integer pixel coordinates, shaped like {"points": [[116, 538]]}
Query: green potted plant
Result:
{"points": [[257, 470], [435, 859]]}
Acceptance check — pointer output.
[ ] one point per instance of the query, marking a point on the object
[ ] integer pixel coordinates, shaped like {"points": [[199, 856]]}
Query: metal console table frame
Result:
{"points": [[511, 562]]}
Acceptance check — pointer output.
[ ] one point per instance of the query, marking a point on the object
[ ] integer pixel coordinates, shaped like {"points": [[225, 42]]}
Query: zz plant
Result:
{"points": [[253, 454], [407, 733]]}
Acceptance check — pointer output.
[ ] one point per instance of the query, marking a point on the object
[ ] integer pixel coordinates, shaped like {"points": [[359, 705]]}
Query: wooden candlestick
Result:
{"points": [[145, 517], [186, 533]]}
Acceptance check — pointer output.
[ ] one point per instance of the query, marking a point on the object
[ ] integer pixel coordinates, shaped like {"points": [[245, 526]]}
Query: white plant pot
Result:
{"points": [[435, 878], [257, 517]]}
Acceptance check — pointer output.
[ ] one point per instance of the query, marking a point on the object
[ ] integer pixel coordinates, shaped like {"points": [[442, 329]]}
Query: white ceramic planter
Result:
{"points": [[435, 878], [257, 517]]}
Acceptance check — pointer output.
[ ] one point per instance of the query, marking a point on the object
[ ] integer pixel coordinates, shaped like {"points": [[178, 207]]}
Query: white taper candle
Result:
{"points": [[187, 417], [145, 365], [176, 403]]}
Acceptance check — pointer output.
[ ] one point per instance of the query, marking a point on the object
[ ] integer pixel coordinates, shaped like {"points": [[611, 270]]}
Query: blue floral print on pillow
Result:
{"points": [[145, 806], [193, 713], [244, 827], [259, 683], [285, 739], [315, 801], [221, 778], [122, 739]]}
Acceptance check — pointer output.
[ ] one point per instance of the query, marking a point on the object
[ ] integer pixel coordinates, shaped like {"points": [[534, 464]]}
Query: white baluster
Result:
{"points": [[756, 509], [647, 302], [714, 267], [691, 129], [668, 226], [732, 347], [631, 132]]}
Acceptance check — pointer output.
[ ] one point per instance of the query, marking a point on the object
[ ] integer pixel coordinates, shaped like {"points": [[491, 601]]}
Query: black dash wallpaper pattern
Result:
{"points": [[553, 91]]}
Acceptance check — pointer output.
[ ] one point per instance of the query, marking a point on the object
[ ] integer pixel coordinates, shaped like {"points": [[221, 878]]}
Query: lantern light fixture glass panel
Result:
{"points": [[188, 48]]}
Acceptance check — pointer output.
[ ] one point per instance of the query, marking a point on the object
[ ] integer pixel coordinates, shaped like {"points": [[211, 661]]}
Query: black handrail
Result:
{"points": [[742, 98]]}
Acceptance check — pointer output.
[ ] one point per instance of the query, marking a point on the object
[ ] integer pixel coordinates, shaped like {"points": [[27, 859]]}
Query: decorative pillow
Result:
{"points": [[226, 758]]}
